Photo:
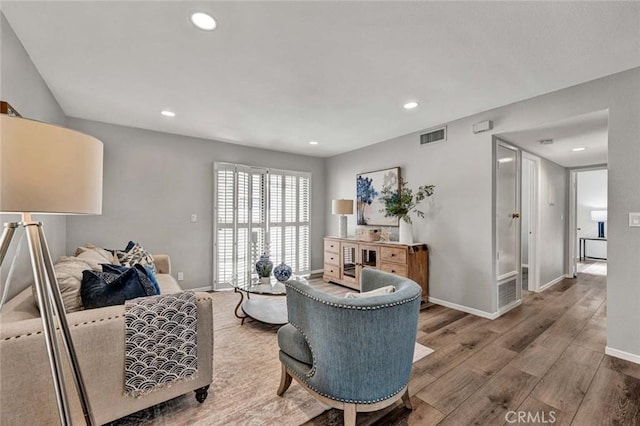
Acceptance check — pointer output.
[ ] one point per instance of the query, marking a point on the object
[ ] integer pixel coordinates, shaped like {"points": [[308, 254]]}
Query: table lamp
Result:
{"points": [[46, 169], [599, 216], [343, 208]]}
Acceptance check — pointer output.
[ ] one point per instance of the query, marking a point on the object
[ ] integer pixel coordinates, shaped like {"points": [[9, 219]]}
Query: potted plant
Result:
{"points": [[402, 203]]}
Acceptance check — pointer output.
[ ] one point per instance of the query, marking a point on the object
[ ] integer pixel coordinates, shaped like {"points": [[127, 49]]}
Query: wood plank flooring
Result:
{"points": [[545, 357]]}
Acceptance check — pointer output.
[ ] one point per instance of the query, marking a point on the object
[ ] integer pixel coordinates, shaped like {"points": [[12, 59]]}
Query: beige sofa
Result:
{"points": [[26, 386]]}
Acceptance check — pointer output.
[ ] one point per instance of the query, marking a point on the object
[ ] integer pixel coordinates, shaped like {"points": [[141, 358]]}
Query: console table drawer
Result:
{"points": [[392, 254], [394, 268], [331, 271], [331, 246], [332, 258]]}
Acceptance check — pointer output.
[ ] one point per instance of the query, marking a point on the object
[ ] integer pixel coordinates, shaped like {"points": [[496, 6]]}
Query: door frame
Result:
{"points": [[534, 220], [572, 264], [518, 255]]}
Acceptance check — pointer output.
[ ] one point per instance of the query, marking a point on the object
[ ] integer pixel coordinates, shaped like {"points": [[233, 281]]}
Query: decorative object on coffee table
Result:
{"points": [[400, 203], [282, 272], [263, 268]]}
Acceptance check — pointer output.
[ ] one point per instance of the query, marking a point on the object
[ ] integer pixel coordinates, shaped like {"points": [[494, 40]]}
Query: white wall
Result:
{"points": [[591, 195], [154, 181], [458, 226], [22, 86]]}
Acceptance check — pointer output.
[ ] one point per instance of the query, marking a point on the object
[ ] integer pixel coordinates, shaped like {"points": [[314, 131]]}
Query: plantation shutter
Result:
{"points": [[259, 210]]}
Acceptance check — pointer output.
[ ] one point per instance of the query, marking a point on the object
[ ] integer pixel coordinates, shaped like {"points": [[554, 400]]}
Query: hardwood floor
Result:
{"points": [[545, 359]]}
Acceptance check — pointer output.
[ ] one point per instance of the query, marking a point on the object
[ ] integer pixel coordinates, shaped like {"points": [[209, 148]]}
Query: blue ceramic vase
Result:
{"points": [[264, 266], [282, 272]]}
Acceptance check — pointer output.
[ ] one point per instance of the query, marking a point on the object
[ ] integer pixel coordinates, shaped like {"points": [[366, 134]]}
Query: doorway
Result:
{"points": [[507, 225], [589, 221]]}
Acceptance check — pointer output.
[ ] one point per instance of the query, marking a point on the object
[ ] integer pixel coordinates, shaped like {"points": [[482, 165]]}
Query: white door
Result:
{"points": [[508, 257]]}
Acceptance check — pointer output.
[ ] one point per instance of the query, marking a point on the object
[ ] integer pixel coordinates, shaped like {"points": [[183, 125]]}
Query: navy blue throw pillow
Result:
{"points": [[101, 289], [118, 269]]}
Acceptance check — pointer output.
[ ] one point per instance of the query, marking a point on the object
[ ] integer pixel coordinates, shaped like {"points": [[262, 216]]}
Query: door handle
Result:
{"points": [[515, 215]]}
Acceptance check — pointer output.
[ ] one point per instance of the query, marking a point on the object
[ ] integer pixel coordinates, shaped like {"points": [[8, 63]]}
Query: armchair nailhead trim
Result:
{"points": [[361, 308], [313, 355], [347, 401]]}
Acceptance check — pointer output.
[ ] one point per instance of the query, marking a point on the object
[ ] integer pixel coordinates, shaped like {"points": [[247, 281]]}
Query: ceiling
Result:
{"points": [[280, 74], [588, 131]]}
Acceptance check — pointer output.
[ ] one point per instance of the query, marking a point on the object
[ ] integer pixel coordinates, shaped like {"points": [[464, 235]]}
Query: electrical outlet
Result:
{"points": [[180, 276], [194, 218]]}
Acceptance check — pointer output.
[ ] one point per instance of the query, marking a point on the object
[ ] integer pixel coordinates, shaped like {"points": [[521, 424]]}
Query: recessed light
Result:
{"points": [[313, 143], [168, 113], [204, 21], [410, 105], [582, 148]]}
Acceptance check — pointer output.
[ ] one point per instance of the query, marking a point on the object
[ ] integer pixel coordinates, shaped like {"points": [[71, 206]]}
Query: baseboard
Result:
{"points": [[616, 353], [472, 311], [316, 271], [509, 307], [210, 288], [552, 282]]}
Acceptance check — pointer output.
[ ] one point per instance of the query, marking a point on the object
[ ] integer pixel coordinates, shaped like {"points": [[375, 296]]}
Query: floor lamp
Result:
{"points": [[46, 169]]}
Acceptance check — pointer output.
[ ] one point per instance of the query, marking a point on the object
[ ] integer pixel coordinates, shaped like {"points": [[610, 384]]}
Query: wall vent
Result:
{"points": [[507, 293], [432, 136]]}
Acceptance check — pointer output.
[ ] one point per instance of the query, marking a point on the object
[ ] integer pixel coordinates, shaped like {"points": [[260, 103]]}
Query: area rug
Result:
{"points": [[420, 352], [246, 375]]}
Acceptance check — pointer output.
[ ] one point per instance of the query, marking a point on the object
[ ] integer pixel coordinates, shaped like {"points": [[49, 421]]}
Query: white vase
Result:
{"points": [[405, 233]]}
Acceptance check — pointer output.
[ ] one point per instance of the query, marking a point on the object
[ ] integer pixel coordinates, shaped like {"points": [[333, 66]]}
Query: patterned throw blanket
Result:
{"points": [[160, 342]]}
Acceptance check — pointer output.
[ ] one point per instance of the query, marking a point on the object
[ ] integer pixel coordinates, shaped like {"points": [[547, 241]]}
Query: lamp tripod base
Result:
{"points": [[51, 306]]}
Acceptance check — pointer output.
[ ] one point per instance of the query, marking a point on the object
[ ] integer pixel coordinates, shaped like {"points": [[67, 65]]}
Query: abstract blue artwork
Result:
{"points": [[368, 187]]}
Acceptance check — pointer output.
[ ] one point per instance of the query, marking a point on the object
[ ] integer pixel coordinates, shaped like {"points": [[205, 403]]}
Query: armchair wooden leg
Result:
{"points": [[285, 380], [406, 399], [349, 414], [201, 393]]}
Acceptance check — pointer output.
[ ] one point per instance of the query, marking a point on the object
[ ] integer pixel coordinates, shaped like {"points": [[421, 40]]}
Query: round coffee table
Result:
{"points": [[268, 310]]}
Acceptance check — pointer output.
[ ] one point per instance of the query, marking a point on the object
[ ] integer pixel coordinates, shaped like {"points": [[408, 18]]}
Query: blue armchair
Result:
{"points": [[351, 354]]}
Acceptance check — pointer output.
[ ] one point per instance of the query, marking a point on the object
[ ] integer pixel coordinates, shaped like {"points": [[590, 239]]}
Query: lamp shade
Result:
{"points": [[48, 169], [342, 207], [598, 215]]}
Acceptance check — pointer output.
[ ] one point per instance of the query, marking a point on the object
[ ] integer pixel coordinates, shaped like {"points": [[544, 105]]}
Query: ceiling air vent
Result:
{"points": [[432, 136]]}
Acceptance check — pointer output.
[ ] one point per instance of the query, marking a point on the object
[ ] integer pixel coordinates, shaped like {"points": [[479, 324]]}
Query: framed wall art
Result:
{"points": [[368, 188]]}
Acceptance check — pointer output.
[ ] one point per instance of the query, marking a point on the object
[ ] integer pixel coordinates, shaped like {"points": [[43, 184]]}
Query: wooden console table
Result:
{"points": [[344, 258]]}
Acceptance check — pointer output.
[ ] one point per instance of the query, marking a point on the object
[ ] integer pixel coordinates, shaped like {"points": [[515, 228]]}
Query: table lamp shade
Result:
{"points": [[48, 169], [598, 215], [342, 207]]}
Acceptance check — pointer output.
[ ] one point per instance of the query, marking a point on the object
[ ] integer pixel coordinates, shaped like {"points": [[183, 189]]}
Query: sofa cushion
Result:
{"points": [[293, 343], [134, 254], [119, 269], [68, 270], [95, 256], [377, 292], [167, 284], [101, 289]]}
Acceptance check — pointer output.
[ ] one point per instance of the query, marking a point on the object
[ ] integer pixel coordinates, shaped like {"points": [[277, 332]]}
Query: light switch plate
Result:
{"points": [[634, 220]]}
